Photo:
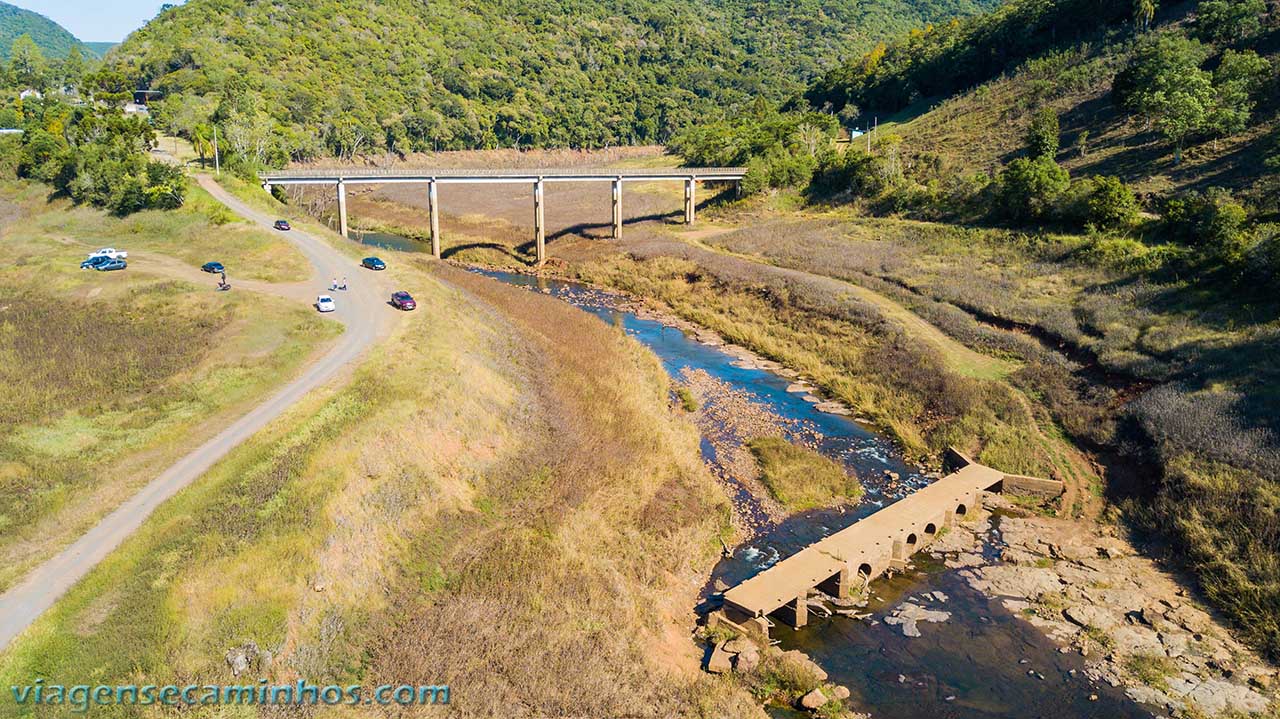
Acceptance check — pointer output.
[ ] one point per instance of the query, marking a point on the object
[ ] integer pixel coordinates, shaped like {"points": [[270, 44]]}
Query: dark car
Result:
{"points": [[281, 225], [213, 267], [111, 265], [93, 262], [403, 301], [373, 263]]}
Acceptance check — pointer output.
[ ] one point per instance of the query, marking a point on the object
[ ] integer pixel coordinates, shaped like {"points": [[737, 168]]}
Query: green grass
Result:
{"points": [[113, 375], [799, 477], [1151, 669]]}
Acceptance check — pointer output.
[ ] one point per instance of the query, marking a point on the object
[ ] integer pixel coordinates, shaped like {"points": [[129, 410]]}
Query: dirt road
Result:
{"points": [[367, 316]]}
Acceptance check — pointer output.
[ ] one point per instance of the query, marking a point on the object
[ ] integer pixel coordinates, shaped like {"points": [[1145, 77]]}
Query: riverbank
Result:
{"points": [[763, 314]]}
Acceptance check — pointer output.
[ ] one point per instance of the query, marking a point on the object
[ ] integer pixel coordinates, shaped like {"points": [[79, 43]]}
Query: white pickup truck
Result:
{"points": [[110, 253]]}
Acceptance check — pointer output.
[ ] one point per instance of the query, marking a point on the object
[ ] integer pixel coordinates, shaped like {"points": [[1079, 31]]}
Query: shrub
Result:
{"points": [[853, 171], [1229, 20], [1042, 135], [1030, 188], [1263, 259], [1124, 254], [1213, 222], [1111, 204]]}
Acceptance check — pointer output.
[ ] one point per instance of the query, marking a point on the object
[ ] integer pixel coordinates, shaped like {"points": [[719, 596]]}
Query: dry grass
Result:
{"points": [[501, 501], [801, 478]]}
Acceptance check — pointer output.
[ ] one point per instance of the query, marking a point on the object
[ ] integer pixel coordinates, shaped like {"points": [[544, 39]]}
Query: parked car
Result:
{"points": [[110, 264], [110, 253], [373, 263], [403, 301], [213, 267], [93, 262], [282, 225], [324, 303]]}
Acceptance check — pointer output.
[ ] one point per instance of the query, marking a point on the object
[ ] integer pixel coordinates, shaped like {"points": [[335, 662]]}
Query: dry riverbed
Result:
{"points": [[1092, 594]]}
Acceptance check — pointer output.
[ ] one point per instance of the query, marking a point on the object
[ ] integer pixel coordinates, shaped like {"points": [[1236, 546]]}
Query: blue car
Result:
{"points": [[111, 265], [373, 263], [212, 267], [93, 262]]}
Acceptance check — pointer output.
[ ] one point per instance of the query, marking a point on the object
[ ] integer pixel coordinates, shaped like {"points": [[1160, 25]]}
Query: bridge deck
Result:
{"points": [[869, 542], [330, 175]]}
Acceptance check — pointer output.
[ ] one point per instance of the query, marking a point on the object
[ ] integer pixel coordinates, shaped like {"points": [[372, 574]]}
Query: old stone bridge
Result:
{"points": [[849, 559]]}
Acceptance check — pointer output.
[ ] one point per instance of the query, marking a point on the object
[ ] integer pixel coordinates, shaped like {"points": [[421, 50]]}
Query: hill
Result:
{"points": [[343, 78], [52, 39]]}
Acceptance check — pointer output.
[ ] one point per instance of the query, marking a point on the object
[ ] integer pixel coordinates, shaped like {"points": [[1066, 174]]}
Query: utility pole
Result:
{"points": [[217, 166]]}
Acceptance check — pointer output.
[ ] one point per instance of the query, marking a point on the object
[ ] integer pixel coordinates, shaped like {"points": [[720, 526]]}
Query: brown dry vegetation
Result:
{"points": [[502, 500]]}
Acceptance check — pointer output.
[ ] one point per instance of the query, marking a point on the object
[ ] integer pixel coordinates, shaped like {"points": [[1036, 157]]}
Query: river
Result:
{"points": [[982, 663]]}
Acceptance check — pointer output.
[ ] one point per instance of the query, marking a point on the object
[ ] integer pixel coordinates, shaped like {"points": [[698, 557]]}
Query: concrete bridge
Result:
{"points": [[432, 178], [848, 560]]}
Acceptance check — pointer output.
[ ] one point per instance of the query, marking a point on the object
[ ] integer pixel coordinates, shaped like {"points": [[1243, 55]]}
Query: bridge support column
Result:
{"points": [[433, 211], [617, 209], [342, 208], [796, 611], [689, 199], [539, 229], [949, 519], [899, 549], [837, 585]]}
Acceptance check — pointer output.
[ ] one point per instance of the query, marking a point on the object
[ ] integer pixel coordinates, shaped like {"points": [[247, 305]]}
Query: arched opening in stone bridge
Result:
{"points": [[960, 510], [912, 540], [930, 529]]}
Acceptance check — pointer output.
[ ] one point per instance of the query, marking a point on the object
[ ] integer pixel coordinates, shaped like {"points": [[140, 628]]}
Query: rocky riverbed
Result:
{"points": [[1136, 627]]}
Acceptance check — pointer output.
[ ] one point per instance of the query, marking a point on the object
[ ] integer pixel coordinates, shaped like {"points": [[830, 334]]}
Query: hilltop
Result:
{"points": [[297, 79], [52, 39]]}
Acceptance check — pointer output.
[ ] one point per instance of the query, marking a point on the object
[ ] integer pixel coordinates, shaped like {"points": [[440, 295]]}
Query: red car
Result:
{"points": [[403, 301]]}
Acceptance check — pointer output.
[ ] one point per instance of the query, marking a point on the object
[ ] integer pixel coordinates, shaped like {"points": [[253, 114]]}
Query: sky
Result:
{"points": [[96, 20]]}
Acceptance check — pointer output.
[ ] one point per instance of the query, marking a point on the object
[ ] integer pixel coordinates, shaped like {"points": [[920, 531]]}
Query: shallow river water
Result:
{"points": [[982, 663]]}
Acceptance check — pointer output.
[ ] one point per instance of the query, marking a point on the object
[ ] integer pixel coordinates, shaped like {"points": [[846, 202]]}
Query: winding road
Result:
{"points": [[367, 316]]}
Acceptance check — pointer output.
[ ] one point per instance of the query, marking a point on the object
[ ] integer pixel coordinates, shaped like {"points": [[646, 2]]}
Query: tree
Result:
{"points": [[1237, 80], [27, 64], [1165, 84], [1042, 135], [1029, 188], [1229, 20], [1144, 11], [1111, 204]]}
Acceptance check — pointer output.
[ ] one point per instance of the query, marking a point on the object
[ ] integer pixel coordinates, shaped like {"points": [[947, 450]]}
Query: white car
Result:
{"points": [[324, 303], [110, 253]]}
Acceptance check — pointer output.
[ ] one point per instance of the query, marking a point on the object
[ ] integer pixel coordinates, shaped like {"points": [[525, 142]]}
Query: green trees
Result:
{"points": [[1229, 20], [1030, 188], [1165, 85], [1214, 222], [409, 76], [96, 155], [1111, 205], [1043, 134], [1238, 78]]}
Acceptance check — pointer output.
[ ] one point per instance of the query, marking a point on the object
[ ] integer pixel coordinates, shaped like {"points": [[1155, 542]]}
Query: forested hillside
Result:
{"points": [[52, 39], [296, 79], [1130, 151]]}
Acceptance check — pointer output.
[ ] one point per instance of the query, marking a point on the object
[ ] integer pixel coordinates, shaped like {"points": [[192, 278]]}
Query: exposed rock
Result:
{"points": [[1090, 616], [813, 700], [1022, 582], [841, 693], [965, 559], [908, 615], [738, 645], [1131, 640], [720, 660], [832, 407], [801, 659], [1214, 696], [747, 661], [239, 659]]}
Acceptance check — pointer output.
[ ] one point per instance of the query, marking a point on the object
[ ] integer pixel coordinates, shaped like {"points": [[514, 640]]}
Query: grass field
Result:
{"points": [[111, 376], [501, 500]]}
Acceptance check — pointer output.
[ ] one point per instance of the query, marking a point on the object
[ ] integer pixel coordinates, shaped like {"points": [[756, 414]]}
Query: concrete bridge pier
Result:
{"points": [[617, 209], [433, 211], [689, 199], [342, 208], [539, 227], [796, 611]]}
